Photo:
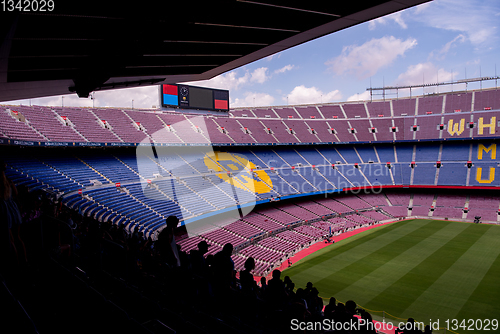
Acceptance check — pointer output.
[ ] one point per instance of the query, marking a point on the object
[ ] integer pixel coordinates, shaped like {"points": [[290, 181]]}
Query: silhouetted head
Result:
{"points": [[172, 222], [350, 306], [340, 308], [276, 274], [228, 248], [203, 247], [250, 264]]}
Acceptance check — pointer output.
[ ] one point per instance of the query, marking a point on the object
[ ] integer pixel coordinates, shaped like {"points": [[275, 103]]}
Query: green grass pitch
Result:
{"points": [[425, 269]]}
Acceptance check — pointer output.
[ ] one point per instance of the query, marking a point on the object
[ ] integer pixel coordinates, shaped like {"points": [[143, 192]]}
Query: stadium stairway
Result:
{"points": [[247, 131], [109, 128], [95, 170], [36, 130]]}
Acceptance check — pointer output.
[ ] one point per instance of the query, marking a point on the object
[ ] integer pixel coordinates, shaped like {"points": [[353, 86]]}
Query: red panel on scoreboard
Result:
{"points": [[221, 104], [170, 89]]}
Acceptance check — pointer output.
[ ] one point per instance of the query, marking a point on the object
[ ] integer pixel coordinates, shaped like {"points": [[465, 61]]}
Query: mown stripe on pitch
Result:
{"points": [[344, 246], [463, 276], [372, 258], [322, 266], [400, 295], [484, 301], [372, 284]]}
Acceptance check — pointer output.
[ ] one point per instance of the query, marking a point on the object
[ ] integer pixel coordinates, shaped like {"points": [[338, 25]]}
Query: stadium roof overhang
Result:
{"points": [[95, 46]]}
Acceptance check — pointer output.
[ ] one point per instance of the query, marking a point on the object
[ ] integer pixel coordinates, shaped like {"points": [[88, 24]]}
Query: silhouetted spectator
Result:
{"points": [[287, 280], [330, 308], [367, 327], [10, 220], [300, 297], [248, 284], [263, 285], [289, 288], [315, 303], [308, 288], [223, 268], [166, 243], [350, 307], [197, 257], [276, 293], [342, 316]]}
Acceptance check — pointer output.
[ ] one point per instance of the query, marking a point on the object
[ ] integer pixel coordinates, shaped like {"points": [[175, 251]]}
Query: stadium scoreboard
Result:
{"points": [[190, 97]]}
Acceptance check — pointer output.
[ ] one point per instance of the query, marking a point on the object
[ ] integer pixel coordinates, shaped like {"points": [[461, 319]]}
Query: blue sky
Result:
{"points": [[441, 41]]}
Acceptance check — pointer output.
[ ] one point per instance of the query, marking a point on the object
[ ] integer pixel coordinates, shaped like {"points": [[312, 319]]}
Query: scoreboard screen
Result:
{"points": [[190, 97]]}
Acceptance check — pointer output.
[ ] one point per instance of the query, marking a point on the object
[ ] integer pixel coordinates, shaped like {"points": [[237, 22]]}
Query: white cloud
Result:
{"points": [[144, 97], [359, 97], [396, 17], [424, 73], [365, 60], [271, 57], [259, 75], [301, 95], [373, 23], [69, 100], [427, 73], [232, 80], [229, 80], [475, 20], [473, 62], [284, 69], [444, 50], [253, 99], [422, 7]]}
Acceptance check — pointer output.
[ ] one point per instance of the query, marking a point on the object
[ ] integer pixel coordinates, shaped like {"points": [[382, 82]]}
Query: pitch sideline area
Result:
{"points": [[429, 270]]}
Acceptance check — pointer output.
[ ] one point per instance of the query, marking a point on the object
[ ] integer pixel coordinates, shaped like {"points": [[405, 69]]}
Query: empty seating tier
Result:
{"points": [[450, 115]]}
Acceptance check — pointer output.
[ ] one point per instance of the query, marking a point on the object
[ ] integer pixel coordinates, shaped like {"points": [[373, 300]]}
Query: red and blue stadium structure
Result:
{"points": [[136, 167]]}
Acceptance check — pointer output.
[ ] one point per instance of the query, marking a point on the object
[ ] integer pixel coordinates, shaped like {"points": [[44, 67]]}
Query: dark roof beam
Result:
{"points": [[48, 56], [216, 42], [289, 8], [192, 55], [232, 26], [164, 71], [168, 66]]}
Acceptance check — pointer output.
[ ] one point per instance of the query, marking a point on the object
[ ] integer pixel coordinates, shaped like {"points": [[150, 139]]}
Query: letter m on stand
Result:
{"points": [[492, 150]]}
